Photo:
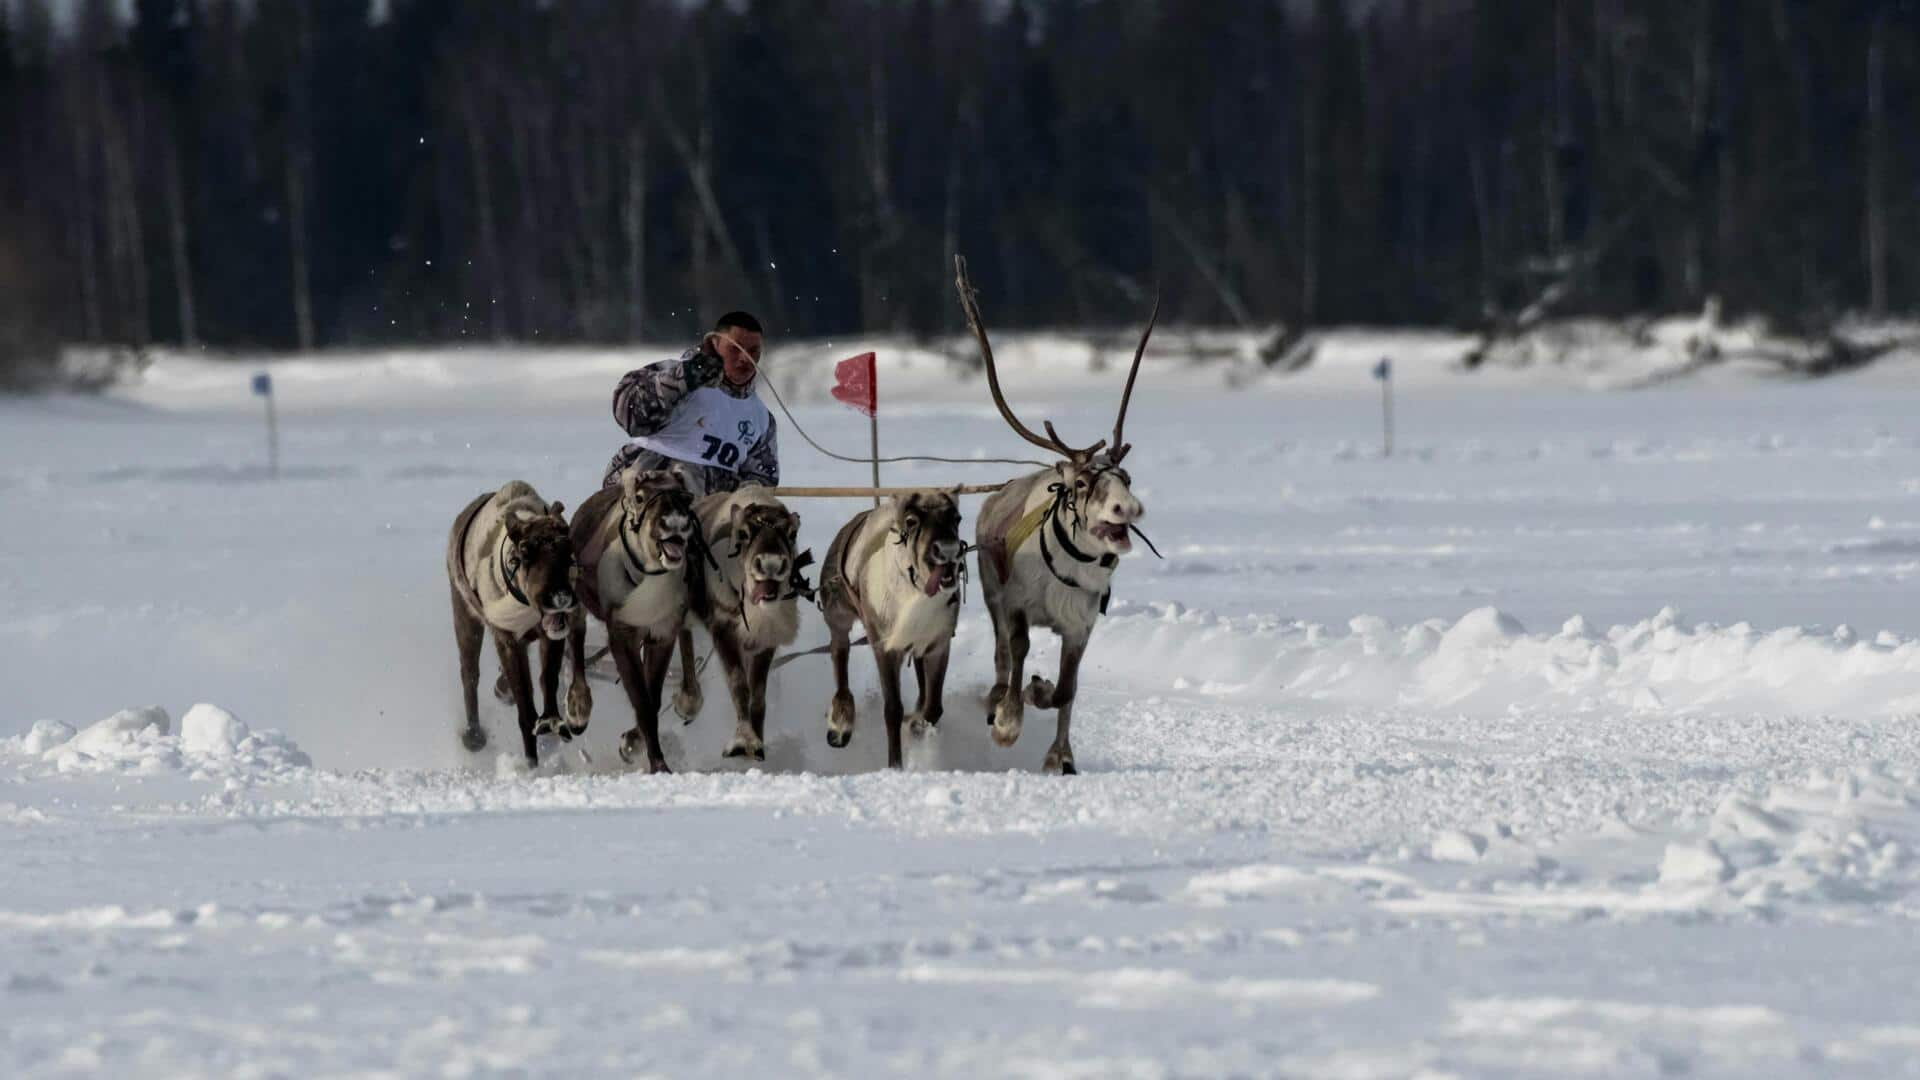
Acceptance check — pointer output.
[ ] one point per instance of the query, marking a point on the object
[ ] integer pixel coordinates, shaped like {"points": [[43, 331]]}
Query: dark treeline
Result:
{"points": [[298, 173]]}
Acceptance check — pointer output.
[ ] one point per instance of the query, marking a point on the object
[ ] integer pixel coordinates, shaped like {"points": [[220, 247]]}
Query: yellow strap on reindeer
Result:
{"points": [[1025, 527]]}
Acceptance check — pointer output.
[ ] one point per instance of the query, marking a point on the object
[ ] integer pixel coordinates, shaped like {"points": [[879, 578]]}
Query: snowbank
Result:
{"points": [[1842, 836], [211, 744], [1487, 662], [1587, 354]]}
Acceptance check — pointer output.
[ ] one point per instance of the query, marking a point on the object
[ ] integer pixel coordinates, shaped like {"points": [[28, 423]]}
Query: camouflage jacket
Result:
{"points": [[644, 401]]}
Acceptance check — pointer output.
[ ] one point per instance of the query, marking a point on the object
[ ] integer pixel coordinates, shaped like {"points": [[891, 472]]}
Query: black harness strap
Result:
{"points": [[1063, 500], [500, 567], [633, 557]]}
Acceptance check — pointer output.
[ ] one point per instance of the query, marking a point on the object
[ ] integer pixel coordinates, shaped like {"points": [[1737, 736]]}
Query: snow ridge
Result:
{"points": [[1486, 662]]}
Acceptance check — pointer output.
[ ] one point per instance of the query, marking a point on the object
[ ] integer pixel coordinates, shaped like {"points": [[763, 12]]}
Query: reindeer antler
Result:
{"points": [[970, 304], [1120, 446]]}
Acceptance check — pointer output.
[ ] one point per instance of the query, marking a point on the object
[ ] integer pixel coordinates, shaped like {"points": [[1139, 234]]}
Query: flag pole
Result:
{"points": [[273, 440], [1384, 372], [873, 424]]}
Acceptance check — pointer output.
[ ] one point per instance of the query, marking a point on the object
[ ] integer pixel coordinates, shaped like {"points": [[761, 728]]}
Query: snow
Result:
{"points": [[1576, 738]]}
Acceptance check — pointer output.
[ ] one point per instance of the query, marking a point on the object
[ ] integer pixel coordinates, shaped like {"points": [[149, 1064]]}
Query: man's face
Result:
{"points": [[739, 347]]}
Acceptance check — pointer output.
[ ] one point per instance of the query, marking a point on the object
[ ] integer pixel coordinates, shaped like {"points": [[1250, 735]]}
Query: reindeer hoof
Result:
{"points": [[840, 717], [579, 706], [657, 766], [1040, 693], [632, 745], [688, 705], [474, 739], [502, 691], [556, 727], [917, 725], [1060, 763]]}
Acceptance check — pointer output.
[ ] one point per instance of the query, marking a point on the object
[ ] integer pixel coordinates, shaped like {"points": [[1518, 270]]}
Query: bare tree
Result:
{"points": [[296, 165], [1877, 164]]}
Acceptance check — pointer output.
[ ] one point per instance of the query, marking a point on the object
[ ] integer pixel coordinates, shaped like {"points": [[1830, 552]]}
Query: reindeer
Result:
{"points": [[748, 602], [898, 570], [634, 545], [511, 570], [1049, 544]]}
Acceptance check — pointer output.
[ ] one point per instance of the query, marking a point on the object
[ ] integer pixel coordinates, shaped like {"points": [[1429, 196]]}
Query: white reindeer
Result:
{"points": [[1049, 543]]}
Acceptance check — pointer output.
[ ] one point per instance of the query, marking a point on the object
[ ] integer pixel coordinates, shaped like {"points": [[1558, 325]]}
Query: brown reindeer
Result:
{"points": [[635, 545], [749, 600], [511, 571], [1049, 543], [897, 569]]}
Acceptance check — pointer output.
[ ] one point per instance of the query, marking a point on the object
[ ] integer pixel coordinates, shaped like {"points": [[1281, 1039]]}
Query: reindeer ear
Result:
{"points": [[630, 490], [516, 523], [793, 525], [558, 509]]}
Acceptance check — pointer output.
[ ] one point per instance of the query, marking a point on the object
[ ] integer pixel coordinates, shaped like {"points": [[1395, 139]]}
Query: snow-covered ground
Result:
{"points": [[1577, 737]]}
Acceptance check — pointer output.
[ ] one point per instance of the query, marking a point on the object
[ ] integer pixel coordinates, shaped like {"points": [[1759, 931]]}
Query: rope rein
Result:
{"points": [[867, 459]]}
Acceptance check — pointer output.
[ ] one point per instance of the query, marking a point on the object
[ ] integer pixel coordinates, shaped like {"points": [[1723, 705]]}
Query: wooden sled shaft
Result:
{"points": [[867, 492]]}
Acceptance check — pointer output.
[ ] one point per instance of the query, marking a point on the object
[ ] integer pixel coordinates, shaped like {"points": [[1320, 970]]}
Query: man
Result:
{"points": [[699, 415]]}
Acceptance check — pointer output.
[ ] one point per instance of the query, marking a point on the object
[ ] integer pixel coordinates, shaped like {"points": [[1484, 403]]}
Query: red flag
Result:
{"points": [[858, 385]]}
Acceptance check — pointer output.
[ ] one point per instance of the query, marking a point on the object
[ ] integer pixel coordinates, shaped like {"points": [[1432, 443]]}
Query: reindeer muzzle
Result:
{"points": [[673, 550], [763, 591], [941, 576]]}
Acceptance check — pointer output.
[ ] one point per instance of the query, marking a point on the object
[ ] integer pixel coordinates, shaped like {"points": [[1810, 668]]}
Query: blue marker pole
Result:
{"points": [[263, 388], [1383, 371]]}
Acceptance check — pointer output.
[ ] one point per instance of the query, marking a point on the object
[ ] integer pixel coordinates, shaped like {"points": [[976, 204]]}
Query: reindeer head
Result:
{"points": [[926, 525], [1098, 499], [1096, 491], [659, 515], [764, 537], [539, 562]]}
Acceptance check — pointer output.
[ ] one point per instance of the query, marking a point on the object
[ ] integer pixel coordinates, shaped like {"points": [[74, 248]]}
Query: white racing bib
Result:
{"points": [[711, 427]]}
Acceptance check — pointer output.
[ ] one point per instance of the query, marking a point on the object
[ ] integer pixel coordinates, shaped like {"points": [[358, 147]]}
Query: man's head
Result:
{"points": [[737, 341]]}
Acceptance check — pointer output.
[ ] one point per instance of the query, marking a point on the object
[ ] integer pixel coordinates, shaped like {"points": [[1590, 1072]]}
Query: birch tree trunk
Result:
{"points": [[633, 221], [177, 235], [481, 168], [1877, 165]]}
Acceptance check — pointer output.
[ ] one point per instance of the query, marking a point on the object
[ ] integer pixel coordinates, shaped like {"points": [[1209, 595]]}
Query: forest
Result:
{"points": [[300, 174]]}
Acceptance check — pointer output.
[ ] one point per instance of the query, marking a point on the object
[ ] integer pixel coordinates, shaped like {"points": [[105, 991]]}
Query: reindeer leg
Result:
{"points": [[889, 664], [840, 714], [759, 666], [551, 652], [932, 688], [579, 697], [624, 646], [917, 719], [653, 681], [513, 662], [1042, 694], [1000, 642], [689, 699], [1007, 712], [932, 673], [468, 631], [731, 662]]}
